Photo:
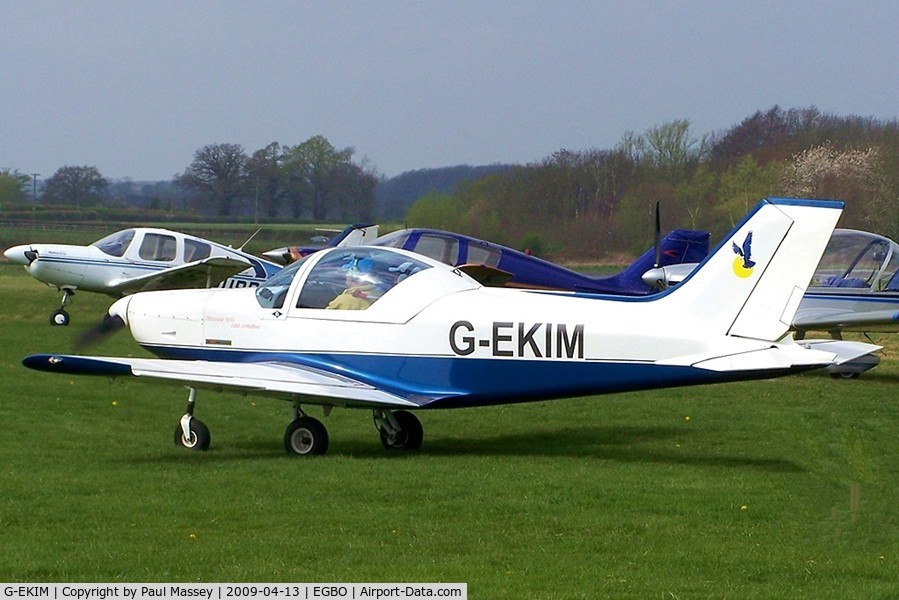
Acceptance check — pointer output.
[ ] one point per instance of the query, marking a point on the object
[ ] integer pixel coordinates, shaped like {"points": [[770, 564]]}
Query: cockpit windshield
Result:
{"points": [[354, 279], [346, 278], [115, 244], [855, 259], [272, 292]]}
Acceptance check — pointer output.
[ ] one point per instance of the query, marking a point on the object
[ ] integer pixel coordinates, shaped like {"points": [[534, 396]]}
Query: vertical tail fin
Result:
{"points": [[752, 283], [356, 235]]}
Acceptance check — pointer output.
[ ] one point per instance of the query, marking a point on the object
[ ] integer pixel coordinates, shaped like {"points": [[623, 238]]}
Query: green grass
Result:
{"points": [[771, 489]]}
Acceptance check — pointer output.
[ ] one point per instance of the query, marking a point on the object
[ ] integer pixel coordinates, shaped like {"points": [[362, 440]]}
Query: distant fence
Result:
{"points": [[56, 225]]}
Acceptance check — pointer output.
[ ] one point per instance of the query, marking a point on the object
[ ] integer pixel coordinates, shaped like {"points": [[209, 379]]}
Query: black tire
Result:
{"points": [[306, 437], [199, 436], [845, 375], [410, 436], [59, 317]]}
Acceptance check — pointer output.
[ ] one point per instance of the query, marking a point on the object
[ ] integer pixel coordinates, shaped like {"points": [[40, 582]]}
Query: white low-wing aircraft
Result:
{"points": [[424, 335], [135, 260]]}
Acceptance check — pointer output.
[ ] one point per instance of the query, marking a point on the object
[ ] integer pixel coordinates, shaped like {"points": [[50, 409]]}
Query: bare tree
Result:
{"points": [[264, 179], [219, 171], [81, 186]]}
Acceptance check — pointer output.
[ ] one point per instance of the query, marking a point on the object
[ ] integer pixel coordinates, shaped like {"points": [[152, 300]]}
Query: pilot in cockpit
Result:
{"points": [[361, 286]]}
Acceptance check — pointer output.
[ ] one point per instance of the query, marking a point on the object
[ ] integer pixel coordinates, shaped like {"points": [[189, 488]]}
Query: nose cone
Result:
{"points": [[20, 255]]}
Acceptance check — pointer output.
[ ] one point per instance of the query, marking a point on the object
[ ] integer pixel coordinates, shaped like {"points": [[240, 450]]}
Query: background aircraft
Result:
{"points": [[351, 235], [139, 259], [426, 335], [498, 266], [855, 287]]}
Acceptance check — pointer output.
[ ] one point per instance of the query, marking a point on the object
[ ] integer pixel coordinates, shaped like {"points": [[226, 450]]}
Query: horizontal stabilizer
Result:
{"points": [[844, 351]]}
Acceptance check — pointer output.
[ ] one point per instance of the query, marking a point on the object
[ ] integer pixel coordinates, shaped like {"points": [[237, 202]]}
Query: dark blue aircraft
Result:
{"points": [[496, 265]]}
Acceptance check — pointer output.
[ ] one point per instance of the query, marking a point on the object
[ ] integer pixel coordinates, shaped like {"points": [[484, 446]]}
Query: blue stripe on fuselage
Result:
{"points": [[449, 382]]}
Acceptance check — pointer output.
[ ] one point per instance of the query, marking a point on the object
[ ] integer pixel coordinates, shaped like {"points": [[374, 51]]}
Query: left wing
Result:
{"points": [[279, 379], [208, 272]]}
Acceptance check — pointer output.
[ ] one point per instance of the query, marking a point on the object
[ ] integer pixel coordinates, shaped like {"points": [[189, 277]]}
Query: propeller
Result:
{"points": [[657, 260], [108, 326]]}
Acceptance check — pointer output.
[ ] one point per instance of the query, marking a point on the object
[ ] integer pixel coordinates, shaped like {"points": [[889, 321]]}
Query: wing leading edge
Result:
{"points": [[209, 272], [280, 379]]}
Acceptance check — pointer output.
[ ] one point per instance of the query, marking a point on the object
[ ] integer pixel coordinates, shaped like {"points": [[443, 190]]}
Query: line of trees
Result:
{"points": [[312, 180], [596, 202], [601, 202]]}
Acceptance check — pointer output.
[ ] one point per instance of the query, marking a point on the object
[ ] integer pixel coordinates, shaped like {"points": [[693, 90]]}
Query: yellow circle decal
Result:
{"points": [[739, 269]]}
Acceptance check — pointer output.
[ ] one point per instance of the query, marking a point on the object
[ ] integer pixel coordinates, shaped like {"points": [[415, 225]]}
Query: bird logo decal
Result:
{"points": [[743, 262]]}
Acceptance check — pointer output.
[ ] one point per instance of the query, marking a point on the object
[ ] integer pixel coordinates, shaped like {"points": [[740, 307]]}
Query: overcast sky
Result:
{"points": [[136, 88]]}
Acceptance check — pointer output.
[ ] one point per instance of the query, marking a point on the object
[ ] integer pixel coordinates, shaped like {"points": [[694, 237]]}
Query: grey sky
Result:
{"points": [[135, 88]]}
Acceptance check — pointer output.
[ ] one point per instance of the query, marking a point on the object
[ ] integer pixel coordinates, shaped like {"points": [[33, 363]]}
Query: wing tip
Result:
{"points": [[75, 365]]}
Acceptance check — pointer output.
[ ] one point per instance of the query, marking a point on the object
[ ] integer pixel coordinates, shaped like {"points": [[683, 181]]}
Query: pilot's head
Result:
{"points": [[359, 271]]}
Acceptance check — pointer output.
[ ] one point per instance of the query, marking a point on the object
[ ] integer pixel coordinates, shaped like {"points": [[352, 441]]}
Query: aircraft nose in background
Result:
{"points": [[20, 255]]}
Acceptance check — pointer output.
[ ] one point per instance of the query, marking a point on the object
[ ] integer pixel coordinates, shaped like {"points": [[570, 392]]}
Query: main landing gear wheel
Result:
{"points": [[59, 317], [399, 429], [306, 436]]}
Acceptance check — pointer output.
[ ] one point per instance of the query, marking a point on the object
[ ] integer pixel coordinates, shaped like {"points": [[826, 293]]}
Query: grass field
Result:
{"points": [[773, 489]]}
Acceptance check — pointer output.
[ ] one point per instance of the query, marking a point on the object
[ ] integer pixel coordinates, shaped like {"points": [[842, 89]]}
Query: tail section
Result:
{"points": [[355, 235], [751, 284]]}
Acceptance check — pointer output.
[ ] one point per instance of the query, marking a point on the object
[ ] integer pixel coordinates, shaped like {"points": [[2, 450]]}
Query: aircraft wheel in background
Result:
{"points": [[59, 317], [306, 436], [845, 375], [410, 435], [198, 439]]}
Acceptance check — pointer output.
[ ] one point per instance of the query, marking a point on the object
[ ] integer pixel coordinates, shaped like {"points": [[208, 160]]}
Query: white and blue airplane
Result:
{"points": [[425, 335], [135, 260], [855, 287]]}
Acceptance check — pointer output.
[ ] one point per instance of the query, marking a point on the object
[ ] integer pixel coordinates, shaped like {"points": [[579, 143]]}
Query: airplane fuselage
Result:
{"points": [[848, 310], [441, 335], [86, 268], [105, 265]]}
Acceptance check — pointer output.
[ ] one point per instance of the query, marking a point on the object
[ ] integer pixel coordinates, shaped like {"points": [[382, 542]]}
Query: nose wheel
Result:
{"points": [[59, 316], [192, 433]]}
